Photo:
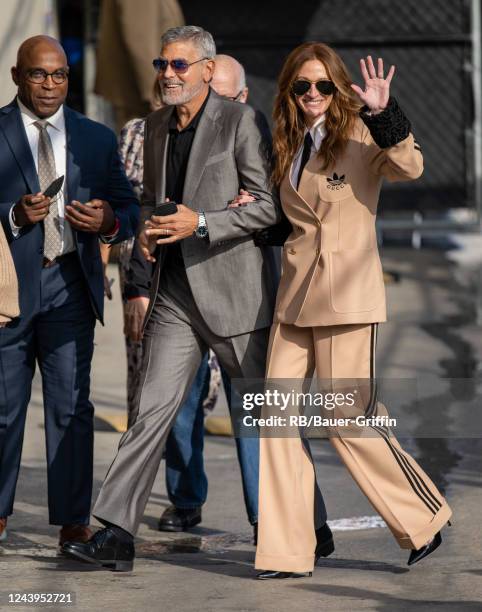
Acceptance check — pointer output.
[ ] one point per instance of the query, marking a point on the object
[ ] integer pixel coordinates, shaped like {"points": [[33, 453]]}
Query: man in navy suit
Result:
{"points": [[55, 247]]}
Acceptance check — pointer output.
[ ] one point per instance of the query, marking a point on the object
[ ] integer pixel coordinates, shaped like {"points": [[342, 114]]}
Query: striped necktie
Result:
{"points": [[46, 174]]}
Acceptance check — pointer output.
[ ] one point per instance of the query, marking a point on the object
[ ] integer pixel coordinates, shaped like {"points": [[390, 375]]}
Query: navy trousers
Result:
{"points": [[59, 336]]}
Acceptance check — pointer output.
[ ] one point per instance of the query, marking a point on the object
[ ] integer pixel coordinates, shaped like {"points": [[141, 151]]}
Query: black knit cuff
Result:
{"points": [[275, 235], [389, 127]]}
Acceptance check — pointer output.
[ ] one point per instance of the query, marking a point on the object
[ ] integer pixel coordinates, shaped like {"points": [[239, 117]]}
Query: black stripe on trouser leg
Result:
{"points": [[373, 383], [409, 474], [425, 489], [433, 507], [428, 493], [418, 485]]}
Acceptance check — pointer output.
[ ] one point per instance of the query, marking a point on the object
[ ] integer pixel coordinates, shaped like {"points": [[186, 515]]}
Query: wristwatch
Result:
{"points": [[202, 227]]}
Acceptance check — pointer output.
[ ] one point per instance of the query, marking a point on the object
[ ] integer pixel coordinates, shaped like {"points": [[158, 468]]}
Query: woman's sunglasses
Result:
{"points": [[178, 65], [301, 86]]}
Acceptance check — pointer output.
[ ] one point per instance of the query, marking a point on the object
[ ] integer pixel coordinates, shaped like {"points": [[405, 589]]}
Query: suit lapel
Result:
{"points": [[12, 125], [74, 152], [206, 133], [294, 193], [161, 146]]}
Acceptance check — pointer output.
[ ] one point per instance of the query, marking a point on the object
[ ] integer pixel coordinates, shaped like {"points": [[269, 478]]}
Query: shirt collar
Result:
{"points": [[56, 120], [318, 131]]}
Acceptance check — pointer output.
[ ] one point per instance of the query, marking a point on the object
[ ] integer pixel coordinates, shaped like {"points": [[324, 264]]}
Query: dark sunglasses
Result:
{"points": [[178, 65], [301, 86]]}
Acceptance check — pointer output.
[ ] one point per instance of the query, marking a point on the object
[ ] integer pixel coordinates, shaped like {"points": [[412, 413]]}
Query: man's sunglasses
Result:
{"points": [[301, 86], [178, 65]]}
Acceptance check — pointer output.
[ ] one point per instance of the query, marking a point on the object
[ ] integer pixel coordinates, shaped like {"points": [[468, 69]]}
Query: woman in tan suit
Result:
{"points": [[8, 283], [334, 143]]}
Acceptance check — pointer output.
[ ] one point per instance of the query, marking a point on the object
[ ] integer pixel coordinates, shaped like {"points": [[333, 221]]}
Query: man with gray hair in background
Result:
{"points": [[211, 288]]}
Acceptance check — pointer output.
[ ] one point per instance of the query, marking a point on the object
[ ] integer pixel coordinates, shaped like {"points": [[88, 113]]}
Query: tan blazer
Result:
{"points": [[331, 270], [8, 282]]}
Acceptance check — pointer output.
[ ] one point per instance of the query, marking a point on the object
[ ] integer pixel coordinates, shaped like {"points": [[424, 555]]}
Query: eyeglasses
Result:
{"points": [[236, 97], [325, 87], [39, 76], [178, 65]]}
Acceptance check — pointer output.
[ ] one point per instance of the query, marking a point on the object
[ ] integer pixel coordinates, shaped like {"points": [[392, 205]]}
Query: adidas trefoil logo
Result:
{"points": [[337, 182]]}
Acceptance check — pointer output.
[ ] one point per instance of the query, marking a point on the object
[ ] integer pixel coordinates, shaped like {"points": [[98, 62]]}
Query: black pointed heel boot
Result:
{"points": [[418, 555]]}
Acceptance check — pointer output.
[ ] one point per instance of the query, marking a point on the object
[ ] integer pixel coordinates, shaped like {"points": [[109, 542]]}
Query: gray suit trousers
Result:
{"points": [[175, 340]]}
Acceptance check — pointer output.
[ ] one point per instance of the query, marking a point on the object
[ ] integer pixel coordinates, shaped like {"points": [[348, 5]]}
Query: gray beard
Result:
{"points": [[182, 97]]}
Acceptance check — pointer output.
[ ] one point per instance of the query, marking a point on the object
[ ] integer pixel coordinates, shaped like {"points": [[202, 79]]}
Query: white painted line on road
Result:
{"points": [[470, 249], [221, 457], [357, 522], [34, 509], [39, 551]]}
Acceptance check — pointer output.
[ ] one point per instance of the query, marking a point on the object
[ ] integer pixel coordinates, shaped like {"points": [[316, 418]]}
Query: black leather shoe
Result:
{"points": [[104, 549], [418, 555], [273, 575], [179, 519], [324, 542], [255, 534]]}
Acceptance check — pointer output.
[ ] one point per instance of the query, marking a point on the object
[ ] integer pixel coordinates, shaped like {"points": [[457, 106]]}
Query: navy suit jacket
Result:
{"points": [[94, 170]]}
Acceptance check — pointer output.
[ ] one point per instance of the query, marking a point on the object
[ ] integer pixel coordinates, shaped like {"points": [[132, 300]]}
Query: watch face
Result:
{"points": [[202, 231]]}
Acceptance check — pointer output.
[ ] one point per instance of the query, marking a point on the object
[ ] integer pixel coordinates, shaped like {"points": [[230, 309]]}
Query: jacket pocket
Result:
{"points": [[214, 159], [356, 280]]}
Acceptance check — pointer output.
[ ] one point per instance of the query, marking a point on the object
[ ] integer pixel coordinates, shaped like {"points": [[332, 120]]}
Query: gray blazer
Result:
{"points": [[233, 281]]}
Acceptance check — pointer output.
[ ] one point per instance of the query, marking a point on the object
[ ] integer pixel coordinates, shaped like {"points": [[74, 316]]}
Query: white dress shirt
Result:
{"points": [[57, 133], [318, 132]]}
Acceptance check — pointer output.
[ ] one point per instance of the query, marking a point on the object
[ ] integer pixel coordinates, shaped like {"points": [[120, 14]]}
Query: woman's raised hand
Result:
{"points": [[377, 87]]}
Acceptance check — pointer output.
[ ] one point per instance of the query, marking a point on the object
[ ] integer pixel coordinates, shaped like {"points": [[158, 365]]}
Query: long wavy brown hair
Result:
{"points": [[289, 125]]}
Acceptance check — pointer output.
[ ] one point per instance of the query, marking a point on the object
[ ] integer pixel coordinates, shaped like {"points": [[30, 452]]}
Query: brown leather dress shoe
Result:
{"points": [[74, 533], [3, 529]]}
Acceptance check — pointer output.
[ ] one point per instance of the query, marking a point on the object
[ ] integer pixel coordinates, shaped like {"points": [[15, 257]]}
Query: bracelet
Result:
{"points": [[114, 231]]}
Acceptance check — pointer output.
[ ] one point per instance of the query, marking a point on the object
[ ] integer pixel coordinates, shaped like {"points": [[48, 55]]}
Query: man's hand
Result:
{"points": [[96, 216], [134, 315], [242, 199], [31, 209], [172, 228], [147, 245]]}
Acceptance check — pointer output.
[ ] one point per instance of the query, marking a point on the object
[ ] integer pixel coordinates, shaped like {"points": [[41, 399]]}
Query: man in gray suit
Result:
{"points": [[212, 287]]}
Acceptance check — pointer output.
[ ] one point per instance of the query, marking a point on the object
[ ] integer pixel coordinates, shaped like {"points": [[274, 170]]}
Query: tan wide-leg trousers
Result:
{"points": [[394, 483]]}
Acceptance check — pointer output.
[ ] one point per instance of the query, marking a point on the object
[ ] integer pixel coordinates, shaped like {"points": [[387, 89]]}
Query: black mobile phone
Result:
{"points": [[54, 187], [165, 208]]}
